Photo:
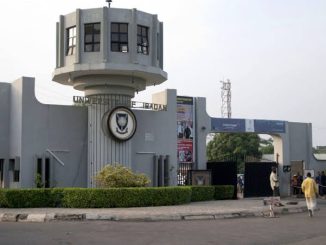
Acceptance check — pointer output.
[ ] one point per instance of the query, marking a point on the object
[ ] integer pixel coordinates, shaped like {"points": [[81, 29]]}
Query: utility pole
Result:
{"points": [[226, 99]]}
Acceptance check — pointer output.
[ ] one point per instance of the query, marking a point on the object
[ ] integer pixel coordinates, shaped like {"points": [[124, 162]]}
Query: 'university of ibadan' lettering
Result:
{"points": [[81, 100]]}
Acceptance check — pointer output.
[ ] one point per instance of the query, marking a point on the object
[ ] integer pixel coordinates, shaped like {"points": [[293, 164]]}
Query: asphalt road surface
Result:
{"points": [[286, 229]]}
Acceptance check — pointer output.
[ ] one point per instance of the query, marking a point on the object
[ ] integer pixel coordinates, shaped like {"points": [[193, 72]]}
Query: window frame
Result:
{"points": [[92, 43], [117, 41], [71, 47], [143, 47]]}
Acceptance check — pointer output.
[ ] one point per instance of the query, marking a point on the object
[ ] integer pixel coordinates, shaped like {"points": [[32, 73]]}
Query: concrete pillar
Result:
{"points": [[103, 149]]}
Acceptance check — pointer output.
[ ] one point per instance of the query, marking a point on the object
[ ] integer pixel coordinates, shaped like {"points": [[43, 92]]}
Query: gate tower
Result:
{"points": [[110, 54]]}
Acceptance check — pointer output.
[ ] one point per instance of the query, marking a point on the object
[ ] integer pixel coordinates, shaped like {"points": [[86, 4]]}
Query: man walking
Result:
{"points": [[309, 188]]}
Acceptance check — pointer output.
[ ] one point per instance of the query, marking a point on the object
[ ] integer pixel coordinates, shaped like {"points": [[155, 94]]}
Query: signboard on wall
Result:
{"points": [[232, 125], [185, 129]]}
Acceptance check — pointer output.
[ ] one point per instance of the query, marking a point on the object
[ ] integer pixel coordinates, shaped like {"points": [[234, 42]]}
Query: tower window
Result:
{"points": [[142, 40], [119, 37], [92, 37], [71, 40]]}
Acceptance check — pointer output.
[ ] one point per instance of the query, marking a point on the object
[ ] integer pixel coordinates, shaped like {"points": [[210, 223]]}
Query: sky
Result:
{"points": [[273, 52]]}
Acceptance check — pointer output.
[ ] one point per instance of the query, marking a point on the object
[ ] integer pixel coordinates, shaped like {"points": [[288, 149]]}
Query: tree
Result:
{"points": [[234, 145], [266, 146]]}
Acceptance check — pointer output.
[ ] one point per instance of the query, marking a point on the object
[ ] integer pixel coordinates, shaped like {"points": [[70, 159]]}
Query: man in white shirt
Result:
{"points": [[274, 182], [275, 185]]}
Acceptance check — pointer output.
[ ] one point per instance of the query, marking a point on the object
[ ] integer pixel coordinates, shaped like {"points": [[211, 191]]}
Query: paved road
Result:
{"points": [[287, 229]]}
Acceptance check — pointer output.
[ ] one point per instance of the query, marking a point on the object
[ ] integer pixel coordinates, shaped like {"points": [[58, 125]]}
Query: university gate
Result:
{"points": [[256, 179], [224, 173]]}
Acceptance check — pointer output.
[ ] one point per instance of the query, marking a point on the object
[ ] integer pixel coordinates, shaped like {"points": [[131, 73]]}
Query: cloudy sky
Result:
{"points": [[273, 51]]}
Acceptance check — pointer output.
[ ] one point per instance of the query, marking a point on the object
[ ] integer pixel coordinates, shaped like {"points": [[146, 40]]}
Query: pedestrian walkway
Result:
{"points": [[209, 210]]}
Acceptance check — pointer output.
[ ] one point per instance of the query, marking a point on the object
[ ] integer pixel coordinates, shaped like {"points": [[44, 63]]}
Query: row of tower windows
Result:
{"points": [[119, 38]]}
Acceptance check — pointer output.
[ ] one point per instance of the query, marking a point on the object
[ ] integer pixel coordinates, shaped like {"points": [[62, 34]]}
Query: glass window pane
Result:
{"points": [[97, 38], [74, 32], [139, 39], [97, 28], [123, 37], [88, 48], [74, 41], [96, 47], [114, 27], [138, 30], [115, 47], [139, 49], [88, 38], [115, 37], [88, 29], [145, 42], [145, 50], [123, 27]]}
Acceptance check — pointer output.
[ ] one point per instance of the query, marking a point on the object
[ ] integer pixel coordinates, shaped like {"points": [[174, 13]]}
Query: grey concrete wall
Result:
{"points": [[15, 128], [156, 135], [37, 128], [4, 119], [202, 128], [295, 145], [4, 130]]}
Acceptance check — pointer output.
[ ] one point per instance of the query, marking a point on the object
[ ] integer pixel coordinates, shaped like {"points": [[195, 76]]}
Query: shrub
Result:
{"points": [[223, 192], [202, 193], [24, 198], [120, 176], [125, 197]]}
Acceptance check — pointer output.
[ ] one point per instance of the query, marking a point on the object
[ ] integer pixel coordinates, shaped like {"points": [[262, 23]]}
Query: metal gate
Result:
{"points": [[184, 169], [224, 173], [256, 182]]}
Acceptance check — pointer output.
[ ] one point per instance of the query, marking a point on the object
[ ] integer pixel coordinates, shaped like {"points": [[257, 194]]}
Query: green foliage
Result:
{"points": [[120, 176], [24, 198], [94, 198], [125, 197], [38, 181], [223, 192], [110, 197], [266, 146], [202, 193], [233, 145]]}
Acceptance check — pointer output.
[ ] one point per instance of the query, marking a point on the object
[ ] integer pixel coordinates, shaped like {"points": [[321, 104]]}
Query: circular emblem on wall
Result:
{"points": [[122, 123]]}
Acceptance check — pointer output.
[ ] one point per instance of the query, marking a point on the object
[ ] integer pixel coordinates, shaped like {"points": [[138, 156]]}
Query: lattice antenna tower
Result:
{"points": [[226, 99], [109, 2]]}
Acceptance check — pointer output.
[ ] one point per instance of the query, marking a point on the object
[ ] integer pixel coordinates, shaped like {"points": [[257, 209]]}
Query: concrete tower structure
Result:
{"points": [[109, 54]]}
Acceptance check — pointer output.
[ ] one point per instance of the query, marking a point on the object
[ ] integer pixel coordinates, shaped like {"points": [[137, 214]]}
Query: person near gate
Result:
{"points": [[294, 184], [323, 183], [275, 185], [310, 190], [274, 182], [318, 182]]}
